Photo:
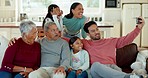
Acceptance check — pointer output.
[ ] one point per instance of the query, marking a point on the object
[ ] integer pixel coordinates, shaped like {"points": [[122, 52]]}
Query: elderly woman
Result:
{"points": [[24, 55]]}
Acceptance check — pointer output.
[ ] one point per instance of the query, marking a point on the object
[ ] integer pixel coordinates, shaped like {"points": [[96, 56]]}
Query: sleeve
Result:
{"points": [[85, 66], [38, 57], [82, 30], [7, 63], [122, 41], [65, 56]]}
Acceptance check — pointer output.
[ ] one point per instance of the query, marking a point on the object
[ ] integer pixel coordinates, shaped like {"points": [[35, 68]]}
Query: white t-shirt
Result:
{"points": [[80, 60]]}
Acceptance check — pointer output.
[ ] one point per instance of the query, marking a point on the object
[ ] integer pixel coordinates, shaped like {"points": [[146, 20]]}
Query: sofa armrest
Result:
{"points": [[126, 55]]}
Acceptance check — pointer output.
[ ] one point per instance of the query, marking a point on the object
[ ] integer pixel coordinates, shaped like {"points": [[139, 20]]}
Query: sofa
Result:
{"points": [[125, 56], [3, 46]]}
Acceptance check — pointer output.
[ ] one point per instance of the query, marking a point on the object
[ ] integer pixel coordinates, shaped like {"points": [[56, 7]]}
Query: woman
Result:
{"points": [[74, 21], [24, 55], [54, 15]]}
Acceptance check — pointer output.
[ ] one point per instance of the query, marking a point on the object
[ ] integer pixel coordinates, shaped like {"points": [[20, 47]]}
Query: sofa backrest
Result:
{"points": [[126, 55], [3, 46]]}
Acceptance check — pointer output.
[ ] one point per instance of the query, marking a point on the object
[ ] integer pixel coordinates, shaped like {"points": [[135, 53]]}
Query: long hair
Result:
{"points": [[73, 6], [49, 15]]}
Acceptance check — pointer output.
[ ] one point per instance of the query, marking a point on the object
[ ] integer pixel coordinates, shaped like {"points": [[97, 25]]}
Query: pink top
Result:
{"points": [[104, 50]]}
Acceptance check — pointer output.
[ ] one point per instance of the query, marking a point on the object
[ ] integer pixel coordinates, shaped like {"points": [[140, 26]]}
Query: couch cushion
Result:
{"points": [[126, 55], [3, 46]]}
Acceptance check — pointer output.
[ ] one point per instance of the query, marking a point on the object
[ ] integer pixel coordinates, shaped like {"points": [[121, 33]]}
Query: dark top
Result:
{"points": [[21, 54]]}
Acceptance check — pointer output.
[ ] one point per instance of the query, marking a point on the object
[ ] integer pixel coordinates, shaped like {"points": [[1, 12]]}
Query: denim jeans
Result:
{"points": [[72, 74], [4, 74]]}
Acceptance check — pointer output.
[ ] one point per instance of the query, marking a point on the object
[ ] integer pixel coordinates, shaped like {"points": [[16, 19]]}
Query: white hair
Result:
{"points": [[26, 26], [47, 24]]}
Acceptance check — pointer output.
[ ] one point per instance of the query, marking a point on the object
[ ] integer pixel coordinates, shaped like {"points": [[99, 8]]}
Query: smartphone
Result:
{"points": [[138, 20]]}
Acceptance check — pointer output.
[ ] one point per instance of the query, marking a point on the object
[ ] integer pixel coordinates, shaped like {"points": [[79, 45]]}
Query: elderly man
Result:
{"points": [[55, 54]]}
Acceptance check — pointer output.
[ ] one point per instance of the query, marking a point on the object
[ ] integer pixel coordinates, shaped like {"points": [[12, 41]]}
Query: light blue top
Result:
{"points": [[73, 25], [54, 53], [80, 60]]}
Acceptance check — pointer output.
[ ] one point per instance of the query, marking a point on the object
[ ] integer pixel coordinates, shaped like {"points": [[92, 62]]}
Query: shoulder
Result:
{"points": [[84, 51]]}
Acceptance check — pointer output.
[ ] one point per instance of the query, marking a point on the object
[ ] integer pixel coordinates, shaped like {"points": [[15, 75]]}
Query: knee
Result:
{"points": [[4, 74], [33, 74], [94, 66], [59, 75]]}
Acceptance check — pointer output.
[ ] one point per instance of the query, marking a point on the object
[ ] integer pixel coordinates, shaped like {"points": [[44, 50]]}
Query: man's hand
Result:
{"points": [[60, 69], [141, 24], [12, 41]]}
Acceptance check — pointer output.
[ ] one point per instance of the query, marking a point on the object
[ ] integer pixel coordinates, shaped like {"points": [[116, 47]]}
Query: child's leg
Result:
{"points": [[72, 74], [83, 75]]}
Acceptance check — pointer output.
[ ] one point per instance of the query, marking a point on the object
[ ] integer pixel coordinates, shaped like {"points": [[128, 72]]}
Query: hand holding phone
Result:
{"points": [[138, 20]]}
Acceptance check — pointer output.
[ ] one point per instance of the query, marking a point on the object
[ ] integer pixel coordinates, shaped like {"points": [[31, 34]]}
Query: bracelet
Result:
{"points": [[25, 69]]}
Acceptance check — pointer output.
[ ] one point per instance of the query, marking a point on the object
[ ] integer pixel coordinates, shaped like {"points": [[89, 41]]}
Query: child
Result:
{"points": [[54, 15], [79, 61]]}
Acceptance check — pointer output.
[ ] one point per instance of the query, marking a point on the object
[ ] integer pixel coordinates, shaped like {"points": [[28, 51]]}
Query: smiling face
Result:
{"points": [[94, 32], [31, 36], [77, 46], [78, 11]]}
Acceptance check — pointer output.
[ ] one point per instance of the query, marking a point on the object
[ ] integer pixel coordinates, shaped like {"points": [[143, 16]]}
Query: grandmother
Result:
{"points": [[23, 56]]}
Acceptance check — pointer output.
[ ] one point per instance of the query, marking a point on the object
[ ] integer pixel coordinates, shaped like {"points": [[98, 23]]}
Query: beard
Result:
{"points": [[95, 37]]}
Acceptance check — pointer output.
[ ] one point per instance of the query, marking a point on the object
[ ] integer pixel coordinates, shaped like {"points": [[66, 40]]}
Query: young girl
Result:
{"points": [[54, 15], [79, 60]]}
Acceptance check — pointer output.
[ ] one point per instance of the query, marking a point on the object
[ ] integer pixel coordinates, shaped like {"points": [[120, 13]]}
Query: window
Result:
{"points": [[37, 8]]}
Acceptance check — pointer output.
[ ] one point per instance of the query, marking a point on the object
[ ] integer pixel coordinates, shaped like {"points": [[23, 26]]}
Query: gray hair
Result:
{"points": [[26, 26], [47, 24]]}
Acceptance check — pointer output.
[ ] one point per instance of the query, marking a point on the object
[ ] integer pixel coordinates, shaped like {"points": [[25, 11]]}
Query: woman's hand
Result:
{"points": [[28, 70], [24, 74]]}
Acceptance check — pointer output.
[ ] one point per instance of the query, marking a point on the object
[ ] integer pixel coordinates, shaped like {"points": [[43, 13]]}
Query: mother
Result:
{"points": [[74, 21], [24, 55]]}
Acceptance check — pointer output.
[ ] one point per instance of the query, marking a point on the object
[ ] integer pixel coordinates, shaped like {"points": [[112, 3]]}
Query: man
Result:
{"points": [[103, 51], [55, 54]]}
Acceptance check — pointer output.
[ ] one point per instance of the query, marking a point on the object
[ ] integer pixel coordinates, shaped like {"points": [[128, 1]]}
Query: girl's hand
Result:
{"points": [[78, 71], [69, 70]]}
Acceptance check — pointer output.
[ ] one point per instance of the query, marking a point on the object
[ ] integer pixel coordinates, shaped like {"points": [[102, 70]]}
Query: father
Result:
{"points": [[103, 51]]}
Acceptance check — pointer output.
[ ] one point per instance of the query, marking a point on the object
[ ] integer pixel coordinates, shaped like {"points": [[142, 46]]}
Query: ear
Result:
{"points": [[72, 10], [71, 46]]}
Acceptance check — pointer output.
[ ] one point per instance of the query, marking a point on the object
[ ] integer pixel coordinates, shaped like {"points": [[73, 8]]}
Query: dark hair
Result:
{"points": [[87, 25], [72, 40], [50, 9], [73, 6]]}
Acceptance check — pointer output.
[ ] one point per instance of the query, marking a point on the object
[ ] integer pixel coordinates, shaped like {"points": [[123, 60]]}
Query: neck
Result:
{"points": [[75, 51], [26, 41]]}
